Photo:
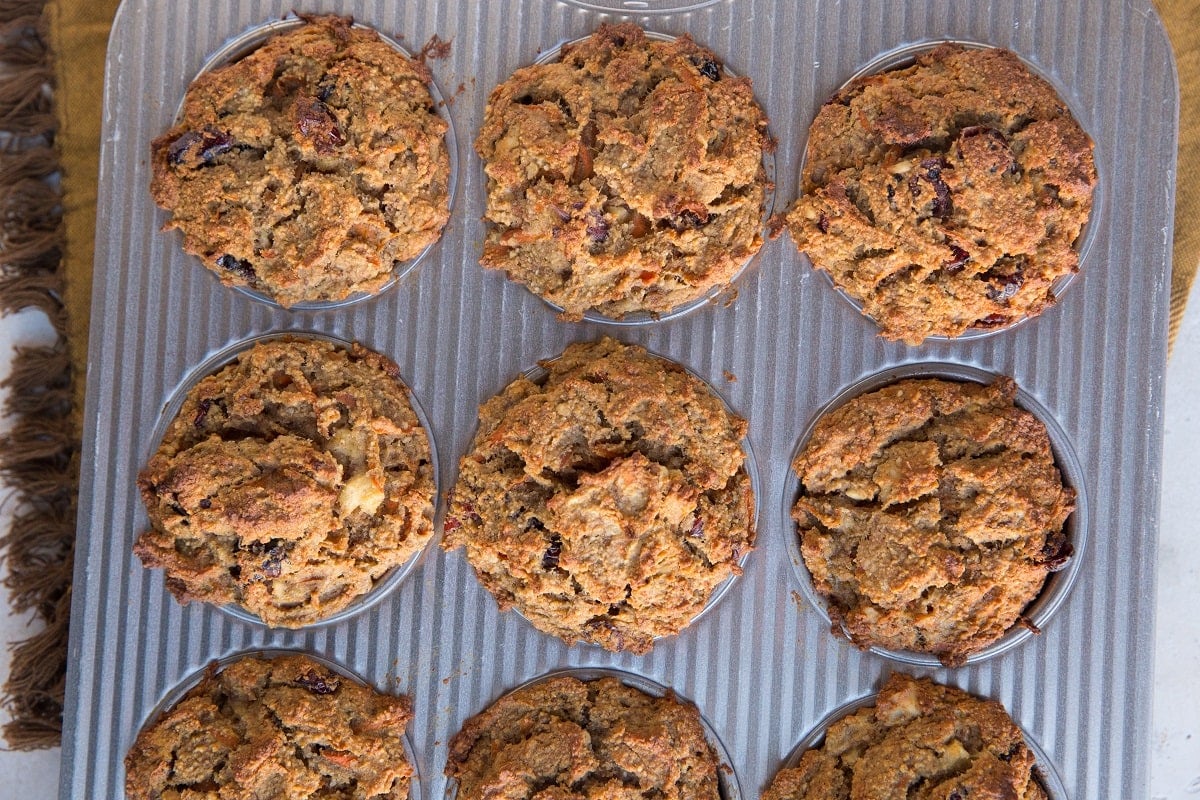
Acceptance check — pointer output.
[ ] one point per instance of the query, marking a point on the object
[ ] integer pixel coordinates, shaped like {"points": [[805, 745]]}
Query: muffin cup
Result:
{"points": [[1044, 772], [538, 375], [390, 579], [1058, 584], [724, 294], [727, 780], [173, 696], [905, 56], [250, 40]]}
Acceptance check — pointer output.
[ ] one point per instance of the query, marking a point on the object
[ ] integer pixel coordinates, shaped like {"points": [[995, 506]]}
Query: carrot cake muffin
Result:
{"points": [[919, 740], [607, 502], [310, 168], [264, 728], [947, 195], [930, 514], [626, 176], [289, 483], [566, 739]]}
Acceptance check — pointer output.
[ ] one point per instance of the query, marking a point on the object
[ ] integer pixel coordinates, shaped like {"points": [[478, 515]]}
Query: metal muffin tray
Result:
{"points": [[761, 665]]}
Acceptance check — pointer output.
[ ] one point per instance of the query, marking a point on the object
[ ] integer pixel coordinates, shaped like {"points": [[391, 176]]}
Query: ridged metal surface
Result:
{"points": [[762, 668]]}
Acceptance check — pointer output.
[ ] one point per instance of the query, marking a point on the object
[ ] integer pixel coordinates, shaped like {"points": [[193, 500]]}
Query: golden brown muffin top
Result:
{"points": [[607, 502], [919, 741], [947, 195], [566, 739], [930, 514], [290, 481], [283, 728], [308, 169], [626, 176]]}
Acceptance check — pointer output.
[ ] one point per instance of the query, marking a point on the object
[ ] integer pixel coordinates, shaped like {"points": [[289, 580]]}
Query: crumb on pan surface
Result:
{"points": [[627, 176], [947, 195], [930, 514], [607, 502], [290, 481], [308, 169], [919, 741], [282, 727], [566, 739]]}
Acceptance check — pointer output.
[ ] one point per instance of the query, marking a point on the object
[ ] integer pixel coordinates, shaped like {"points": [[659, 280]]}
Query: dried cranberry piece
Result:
{"points": [[317, 123], [275, 552], [823, 223], [708, 68], [1002, 286], [205, 405], [237, 265], [325, 90], [1013, 749], [688, 220], [452, 524], [319, 684], [551, 556], [272, 567], [1056, 552], [943, 205], [992, 320], [204, 145], [597, 229], [960, 259], [697, 531]]}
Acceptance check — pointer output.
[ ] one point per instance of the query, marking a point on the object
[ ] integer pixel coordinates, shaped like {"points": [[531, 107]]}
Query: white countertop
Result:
{"points": [[1175, 749]]}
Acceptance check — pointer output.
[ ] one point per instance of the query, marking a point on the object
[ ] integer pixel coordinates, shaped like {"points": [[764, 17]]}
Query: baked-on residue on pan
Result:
{"points": [[930, 514], [626, 176], [947, 195], [310, 168], [607, 502]]}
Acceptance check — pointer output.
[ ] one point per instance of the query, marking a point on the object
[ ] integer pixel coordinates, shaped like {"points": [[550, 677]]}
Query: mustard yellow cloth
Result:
{"points": [[79, 34]]}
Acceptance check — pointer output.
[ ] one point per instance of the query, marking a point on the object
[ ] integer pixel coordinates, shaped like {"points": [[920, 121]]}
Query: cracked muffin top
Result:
{"points": [[945, 196], [274, 728], [930, 514], [626, 176], [607, 502], [309, 169], [919, 741], [289, 483], [566, 739]]}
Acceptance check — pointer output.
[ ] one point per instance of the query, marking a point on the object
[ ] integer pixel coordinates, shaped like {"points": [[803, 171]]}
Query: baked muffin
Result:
{"points": [[607, 502], [625, 177], [919, 741], [309, 169], [930, 514], [947, 195], [285, 727], [562, 738], [289, 483]]}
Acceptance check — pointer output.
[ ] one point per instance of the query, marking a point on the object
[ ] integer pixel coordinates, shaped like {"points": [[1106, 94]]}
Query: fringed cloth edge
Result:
{"points": [[38, 455]]}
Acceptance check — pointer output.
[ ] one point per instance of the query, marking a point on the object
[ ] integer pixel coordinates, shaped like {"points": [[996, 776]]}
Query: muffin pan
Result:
{"points": [[761, 664]]}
